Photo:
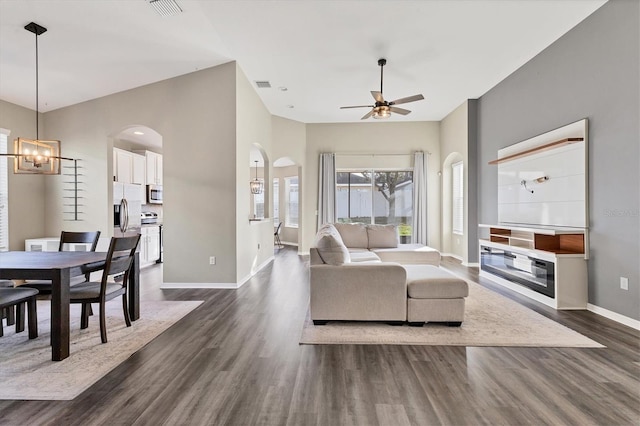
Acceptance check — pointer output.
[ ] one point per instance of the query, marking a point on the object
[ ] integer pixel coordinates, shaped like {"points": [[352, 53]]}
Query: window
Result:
{"points": [[291, 194], [4, 194], [457, 195], [276, 200], [377, 197], [258, 204]]}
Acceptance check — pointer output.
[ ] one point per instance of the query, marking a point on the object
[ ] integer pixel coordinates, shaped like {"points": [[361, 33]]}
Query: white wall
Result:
{"points": [[371, 138], [453, 143], [254, 240]]}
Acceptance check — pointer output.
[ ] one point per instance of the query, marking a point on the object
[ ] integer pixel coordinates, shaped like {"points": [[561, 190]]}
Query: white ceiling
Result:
{"points": [[324, 52]]}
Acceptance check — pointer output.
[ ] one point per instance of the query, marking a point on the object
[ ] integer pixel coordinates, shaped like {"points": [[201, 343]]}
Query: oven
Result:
{"points": [[536, 274]]}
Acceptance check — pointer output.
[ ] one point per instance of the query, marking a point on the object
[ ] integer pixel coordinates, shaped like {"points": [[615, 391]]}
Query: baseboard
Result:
{"points": [[455, 256], [471, 265], [629, 322], [255, 271], [218, 285], [288, 243]]}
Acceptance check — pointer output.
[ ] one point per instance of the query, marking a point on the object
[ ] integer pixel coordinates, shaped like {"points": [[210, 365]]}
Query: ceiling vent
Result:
{"points": [[165, 7], [263, 84]]}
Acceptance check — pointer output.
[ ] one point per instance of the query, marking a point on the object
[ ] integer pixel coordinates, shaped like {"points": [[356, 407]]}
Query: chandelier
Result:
{"points": [[256, 184], [35, 155]]}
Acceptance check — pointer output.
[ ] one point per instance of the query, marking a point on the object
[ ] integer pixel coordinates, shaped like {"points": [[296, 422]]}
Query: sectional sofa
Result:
{"points": [[361, 273]]}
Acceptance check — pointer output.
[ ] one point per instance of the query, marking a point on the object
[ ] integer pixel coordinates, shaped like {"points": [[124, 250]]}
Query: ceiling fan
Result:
{"points": [[382, 108]]}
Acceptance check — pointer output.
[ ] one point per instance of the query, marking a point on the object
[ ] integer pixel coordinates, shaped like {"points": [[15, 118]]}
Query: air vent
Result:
{"points": [[165, 7], [263, 84]]}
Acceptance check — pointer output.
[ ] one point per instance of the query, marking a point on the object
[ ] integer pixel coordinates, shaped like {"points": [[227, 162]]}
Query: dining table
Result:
{"points": [[60, 267]]}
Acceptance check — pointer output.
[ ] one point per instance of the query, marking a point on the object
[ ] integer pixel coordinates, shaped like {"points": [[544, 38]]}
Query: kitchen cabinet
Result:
{"points": [[154, 168], [149, 245], [128, 167]]}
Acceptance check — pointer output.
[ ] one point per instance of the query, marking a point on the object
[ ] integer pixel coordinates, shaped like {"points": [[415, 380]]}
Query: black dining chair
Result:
{"points": [[276, 237], [8, 313], [118, 261], [66, 237], [17, 297]]}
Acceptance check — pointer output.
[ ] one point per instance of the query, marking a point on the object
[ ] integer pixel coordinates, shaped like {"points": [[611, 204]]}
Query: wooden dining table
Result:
{"points": [[60, 267]]}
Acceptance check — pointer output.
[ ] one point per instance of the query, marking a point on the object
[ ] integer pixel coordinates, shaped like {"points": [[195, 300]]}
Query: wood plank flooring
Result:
{"points": [[236, 361]]}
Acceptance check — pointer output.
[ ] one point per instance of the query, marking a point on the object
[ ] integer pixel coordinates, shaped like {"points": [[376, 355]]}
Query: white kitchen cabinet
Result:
{"points": [[154, 168], [129, 167], [149, 245], [139, 169]]}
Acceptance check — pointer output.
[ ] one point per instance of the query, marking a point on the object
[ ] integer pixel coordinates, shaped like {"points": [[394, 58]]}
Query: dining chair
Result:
{"points": [[66, 237], [276, 237], [17, 297], [8, 313], [118, 261]]}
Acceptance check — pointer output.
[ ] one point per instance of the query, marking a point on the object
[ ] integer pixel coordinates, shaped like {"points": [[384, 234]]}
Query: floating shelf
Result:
{"points": [[546, 147]]}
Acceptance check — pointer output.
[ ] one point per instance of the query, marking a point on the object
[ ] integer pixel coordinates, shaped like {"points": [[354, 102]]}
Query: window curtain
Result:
{"points": [[419, 232], [326, 189]]}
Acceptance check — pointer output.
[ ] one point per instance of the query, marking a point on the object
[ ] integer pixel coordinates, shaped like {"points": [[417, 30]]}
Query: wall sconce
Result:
{"points": [[256, 185], [541, 179]]}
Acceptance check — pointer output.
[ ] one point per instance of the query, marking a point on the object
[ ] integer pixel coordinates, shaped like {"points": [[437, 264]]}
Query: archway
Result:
{"points": [[287, 200]]}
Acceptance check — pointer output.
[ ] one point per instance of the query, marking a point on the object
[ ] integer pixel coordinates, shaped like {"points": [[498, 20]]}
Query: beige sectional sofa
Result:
{"points": [[382, 240], [360, 273]]}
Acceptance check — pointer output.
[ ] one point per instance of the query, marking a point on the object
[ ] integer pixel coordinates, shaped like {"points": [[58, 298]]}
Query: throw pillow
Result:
{"points": [[382, 236], [354, 235], [330, 246]]}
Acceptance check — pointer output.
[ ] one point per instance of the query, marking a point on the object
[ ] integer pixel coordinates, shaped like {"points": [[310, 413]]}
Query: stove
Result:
{"points": [[147, 218]]}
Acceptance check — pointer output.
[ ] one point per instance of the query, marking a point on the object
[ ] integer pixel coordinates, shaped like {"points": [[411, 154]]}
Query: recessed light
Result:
{"points": [[137, 132], [283, 89]]}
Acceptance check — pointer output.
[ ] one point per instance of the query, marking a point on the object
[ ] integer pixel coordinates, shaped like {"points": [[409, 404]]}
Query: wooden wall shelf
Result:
{"points": [[546, 147]]}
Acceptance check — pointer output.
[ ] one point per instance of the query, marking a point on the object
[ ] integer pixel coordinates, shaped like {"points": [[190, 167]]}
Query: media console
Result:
{"points": [[547, 264]]}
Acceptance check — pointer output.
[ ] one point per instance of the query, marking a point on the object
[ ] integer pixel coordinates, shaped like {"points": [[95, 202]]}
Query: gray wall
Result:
{"points": [[593, 72], [26, 192]]}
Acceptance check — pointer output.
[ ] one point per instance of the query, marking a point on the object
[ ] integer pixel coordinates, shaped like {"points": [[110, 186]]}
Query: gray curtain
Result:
{"points": [[326, 189], [419, 234]]}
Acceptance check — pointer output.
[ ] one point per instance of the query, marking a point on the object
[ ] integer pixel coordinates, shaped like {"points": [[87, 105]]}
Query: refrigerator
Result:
{"points": [[127, 206]]}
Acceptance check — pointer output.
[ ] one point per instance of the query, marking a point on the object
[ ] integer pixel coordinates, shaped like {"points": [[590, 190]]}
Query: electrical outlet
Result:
{"points": [[212, 260], [624, 283]]}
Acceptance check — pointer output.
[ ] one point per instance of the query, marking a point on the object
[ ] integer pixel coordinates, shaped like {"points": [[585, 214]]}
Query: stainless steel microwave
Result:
{"points": [[154, 194]]}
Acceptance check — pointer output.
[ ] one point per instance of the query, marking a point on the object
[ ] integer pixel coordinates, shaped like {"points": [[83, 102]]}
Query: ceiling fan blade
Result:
{"points": [[400, 111], [407, 100], [357, 106], [367, 115], [377, 96]]}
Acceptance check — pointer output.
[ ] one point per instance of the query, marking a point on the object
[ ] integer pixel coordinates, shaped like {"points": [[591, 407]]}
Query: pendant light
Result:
{"points": [[256, 185], [35, 155]]}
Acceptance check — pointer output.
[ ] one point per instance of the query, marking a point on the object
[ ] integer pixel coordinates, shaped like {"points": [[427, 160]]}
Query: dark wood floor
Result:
{"points": [[236, 361]]}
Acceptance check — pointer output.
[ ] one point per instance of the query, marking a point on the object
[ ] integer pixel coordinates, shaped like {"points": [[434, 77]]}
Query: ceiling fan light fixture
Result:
{"points": [[381, 112]]}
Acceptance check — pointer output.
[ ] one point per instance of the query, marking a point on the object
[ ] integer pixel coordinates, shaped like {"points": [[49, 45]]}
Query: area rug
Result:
{"points": [[26, 369], [490, 320]]}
